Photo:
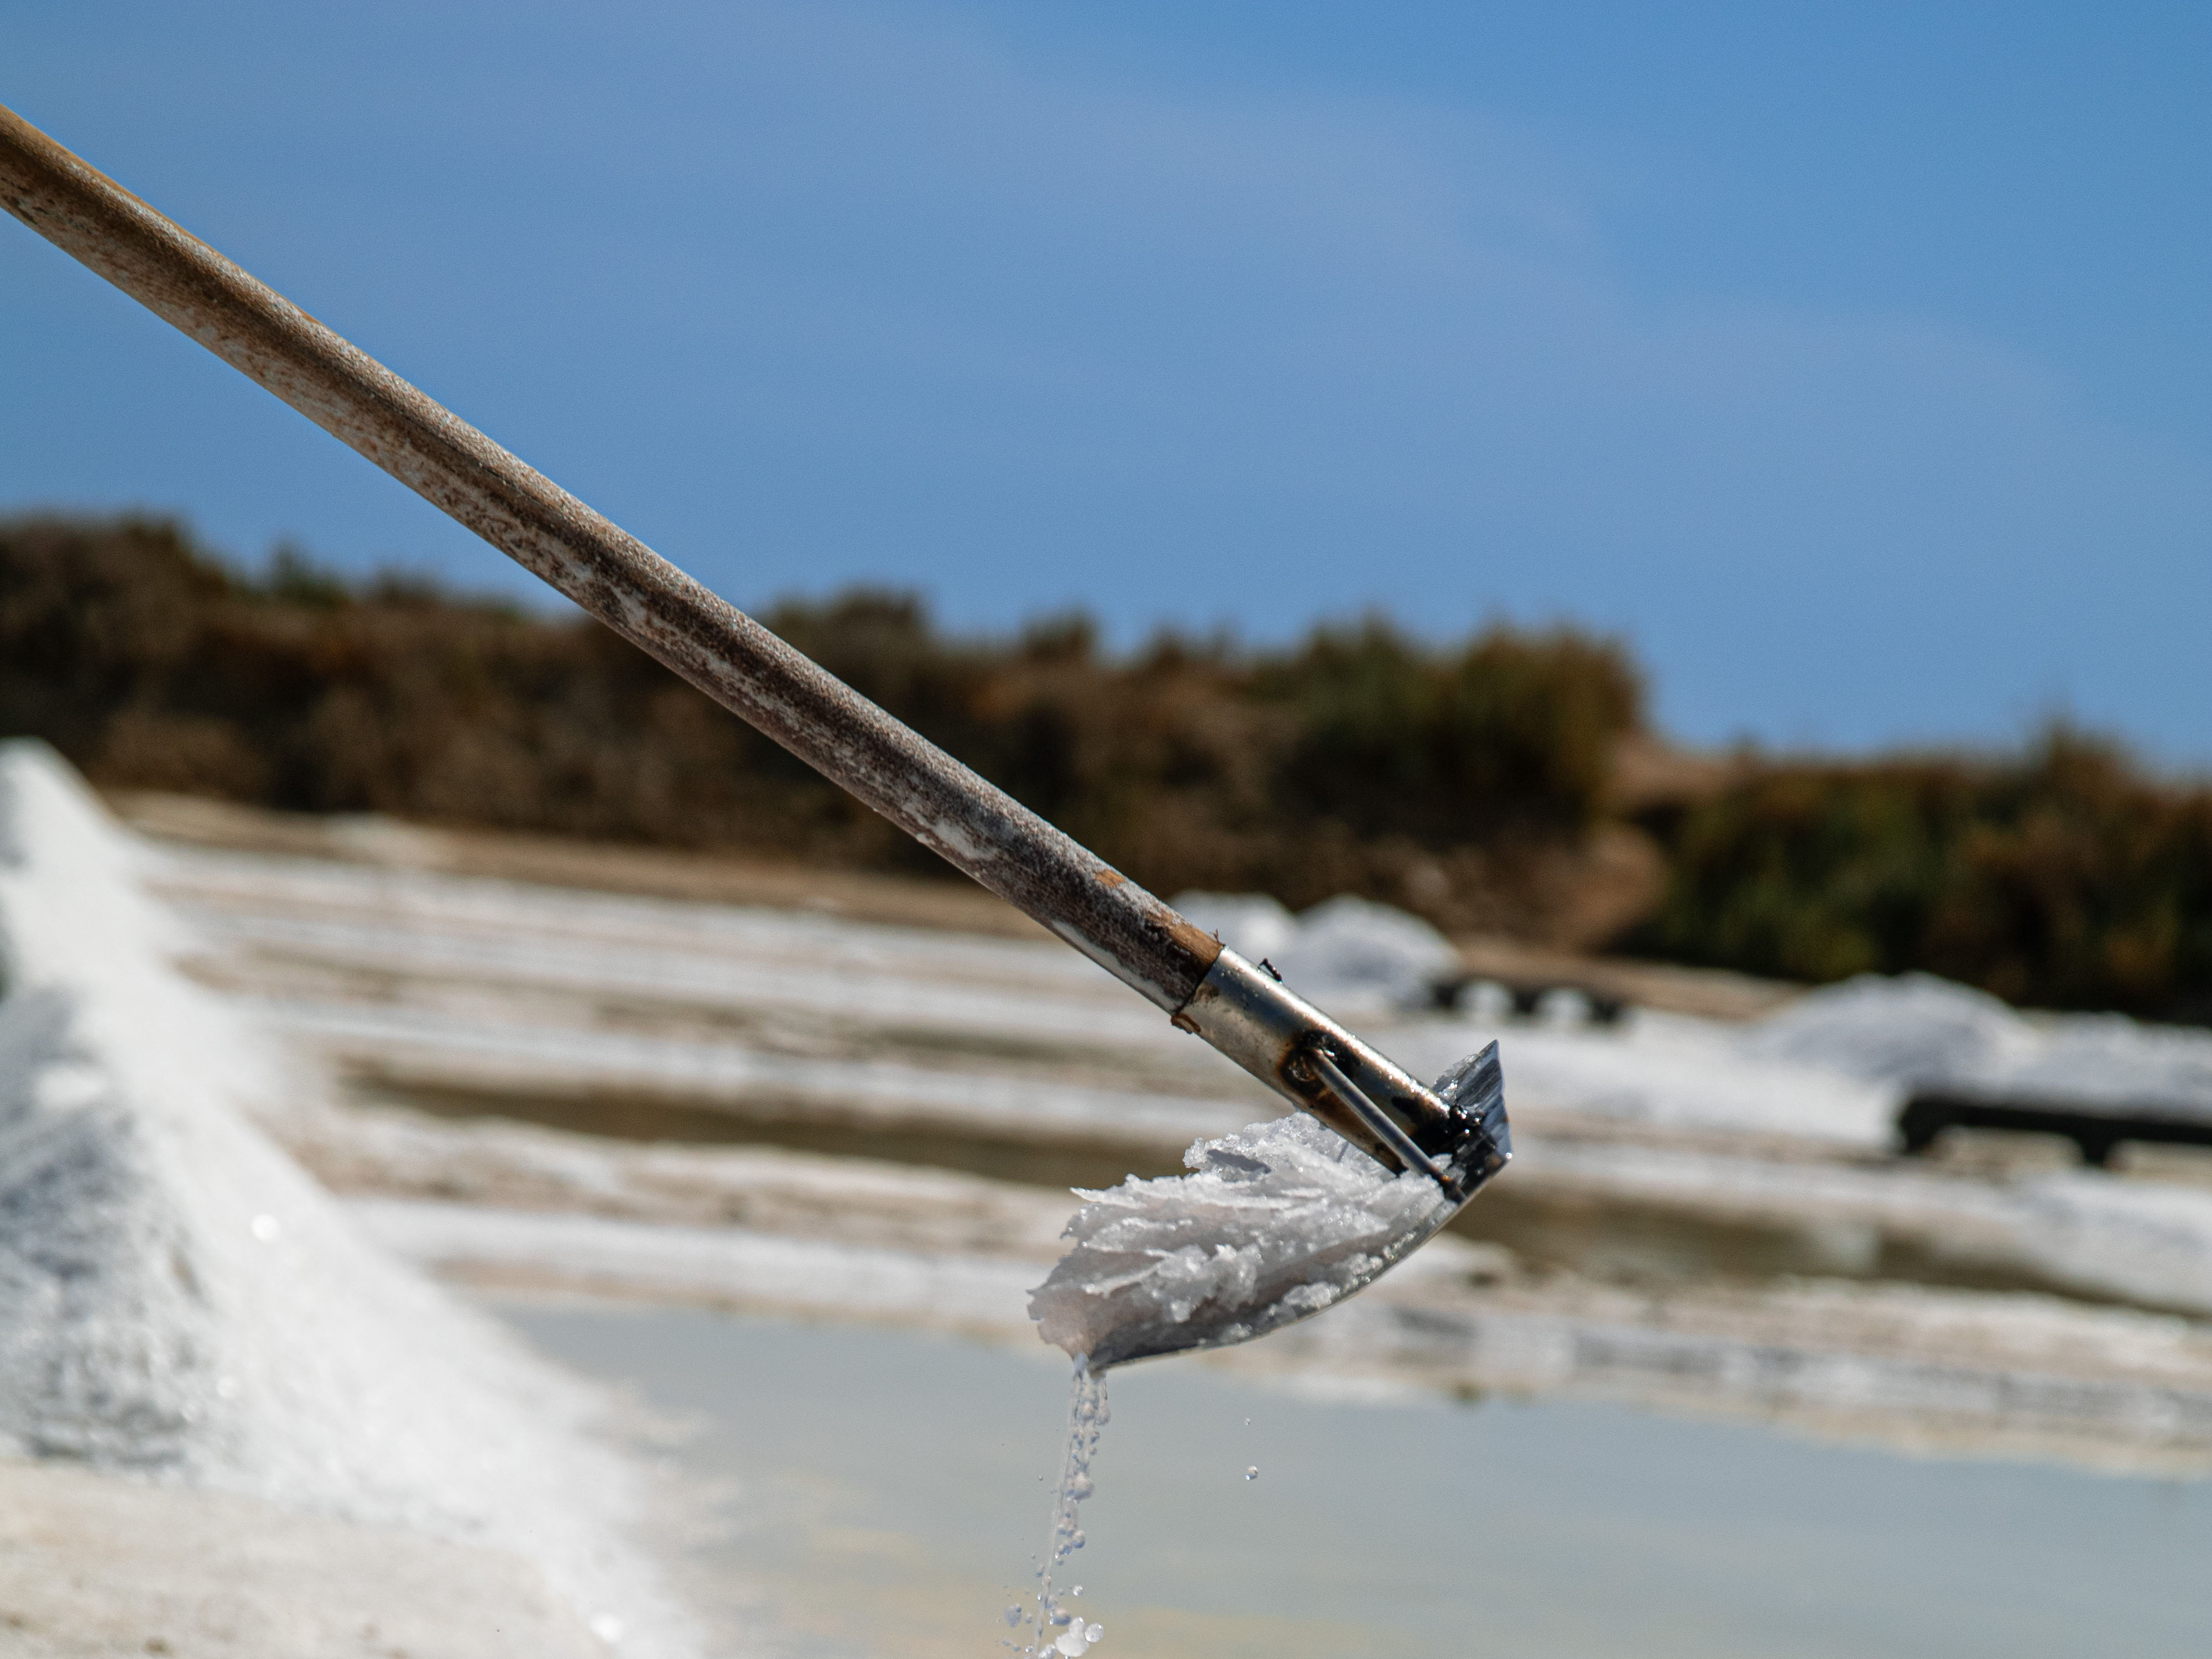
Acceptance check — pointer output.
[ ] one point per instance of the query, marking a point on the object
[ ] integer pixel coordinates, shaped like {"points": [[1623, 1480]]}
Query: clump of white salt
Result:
{"points": [[1275, 1222]]}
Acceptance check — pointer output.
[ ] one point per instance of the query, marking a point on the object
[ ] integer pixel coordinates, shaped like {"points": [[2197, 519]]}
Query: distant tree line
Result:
{"points": [[2062, 876], [1358, 761], [1474, 782]]}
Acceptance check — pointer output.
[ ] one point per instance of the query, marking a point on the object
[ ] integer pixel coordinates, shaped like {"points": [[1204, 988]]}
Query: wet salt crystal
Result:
{"points": [[1252, 1471], [265, 1228], [1277, 1221]]}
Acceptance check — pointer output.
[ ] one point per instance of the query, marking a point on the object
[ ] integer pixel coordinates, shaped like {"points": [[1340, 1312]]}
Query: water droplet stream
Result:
{"points": [[1054, 1629]]}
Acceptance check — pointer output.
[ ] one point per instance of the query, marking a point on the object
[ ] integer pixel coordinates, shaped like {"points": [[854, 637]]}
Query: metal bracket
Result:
{"points": [[1301, 1053]]}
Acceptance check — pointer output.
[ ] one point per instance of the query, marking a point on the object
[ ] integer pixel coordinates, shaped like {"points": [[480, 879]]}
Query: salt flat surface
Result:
{"points": [[804, 972], [481, 928], [447, 1045], [494, 986], [728, 1266], [2140, 1241], [476, 970]]}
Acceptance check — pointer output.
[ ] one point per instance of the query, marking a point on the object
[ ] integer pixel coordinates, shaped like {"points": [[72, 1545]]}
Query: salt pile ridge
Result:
{"points": [[1839, 1063], [177, 1299], [1918, 1031], [1275, 1222], [1836, 1065]]}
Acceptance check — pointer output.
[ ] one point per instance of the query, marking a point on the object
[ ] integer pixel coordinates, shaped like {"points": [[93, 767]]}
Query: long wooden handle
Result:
{"points": [[609, 573]]}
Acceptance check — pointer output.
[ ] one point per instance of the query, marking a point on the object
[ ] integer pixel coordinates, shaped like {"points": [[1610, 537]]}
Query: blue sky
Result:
{"points": [[1852, 362]]}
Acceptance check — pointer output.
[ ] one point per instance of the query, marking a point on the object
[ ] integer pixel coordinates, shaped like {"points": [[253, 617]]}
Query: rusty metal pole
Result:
{"points": [[969, 822]]}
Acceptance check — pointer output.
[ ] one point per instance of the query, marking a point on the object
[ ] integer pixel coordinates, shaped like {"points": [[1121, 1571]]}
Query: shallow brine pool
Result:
{"points": [[879, 1493]]}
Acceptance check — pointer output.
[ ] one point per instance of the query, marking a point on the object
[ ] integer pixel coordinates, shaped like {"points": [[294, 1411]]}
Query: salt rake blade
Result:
{"points": [[1475, 1089]]}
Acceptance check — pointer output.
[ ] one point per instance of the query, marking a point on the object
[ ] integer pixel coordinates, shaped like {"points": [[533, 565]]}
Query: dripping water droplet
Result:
{"points": [[1086, 1414]]}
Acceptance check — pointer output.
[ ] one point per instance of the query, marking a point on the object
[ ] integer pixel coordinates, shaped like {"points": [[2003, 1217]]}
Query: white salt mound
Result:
{"points": [[1254, 925], [1913, 1030], [1275, 1222], [177, 1299], [1918, 1031], [1356, 955], [1346, 946]]}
